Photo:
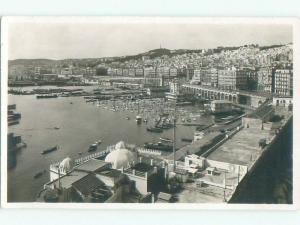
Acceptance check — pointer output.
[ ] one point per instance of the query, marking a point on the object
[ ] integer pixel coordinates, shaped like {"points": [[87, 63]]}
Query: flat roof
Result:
{"points": [[110, 173], [194, 147], [221, 101], [142, 167], [67, 180], [92, 165], [242, 148]]}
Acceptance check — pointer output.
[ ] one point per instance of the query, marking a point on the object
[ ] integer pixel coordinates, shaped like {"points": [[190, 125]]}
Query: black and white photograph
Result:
{"points": [[151, 110]]}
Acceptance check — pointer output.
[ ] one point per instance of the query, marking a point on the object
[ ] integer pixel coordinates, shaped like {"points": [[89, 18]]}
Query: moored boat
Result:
{"points": [[93, 147], [166, 139], [49, 150], [47, 96], [155, 129]]}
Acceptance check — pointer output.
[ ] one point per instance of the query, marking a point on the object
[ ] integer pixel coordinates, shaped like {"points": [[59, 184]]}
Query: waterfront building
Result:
{"points": [[139, 72], [189, 72], [264, 79], [37, 70], [286, 102], [131, 72], [154, 82], [111, 71], [246, 78], [48, 77], [196, 77], [173, 72], [232, 79], [121, 177], [227, 78], [221, 106], [214, 77], [283, 82], [163, 71], [157, 92], [119, 72], [125, 72], [149, 72]]}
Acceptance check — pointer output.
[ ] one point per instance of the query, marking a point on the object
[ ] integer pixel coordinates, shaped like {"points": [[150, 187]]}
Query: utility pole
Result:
{"points": [[225, 187], [174, 137], [174, 125]]}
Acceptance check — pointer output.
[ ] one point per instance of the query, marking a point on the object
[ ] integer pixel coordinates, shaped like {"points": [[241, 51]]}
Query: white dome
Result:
{"points": [[120, 145], [120, 158], [66, 165]]}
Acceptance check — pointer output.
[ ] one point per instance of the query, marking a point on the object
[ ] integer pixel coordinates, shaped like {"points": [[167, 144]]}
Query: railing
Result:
{"points": [[88, 157], [149, 151]]}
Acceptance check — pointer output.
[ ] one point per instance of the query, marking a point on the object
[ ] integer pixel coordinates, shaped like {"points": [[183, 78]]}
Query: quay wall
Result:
{"points": [[269, 180]]}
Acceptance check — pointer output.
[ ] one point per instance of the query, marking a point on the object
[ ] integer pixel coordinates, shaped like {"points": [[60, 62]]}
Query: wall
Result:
{"points": [[141, 183], [232, 168], [252, 122]]}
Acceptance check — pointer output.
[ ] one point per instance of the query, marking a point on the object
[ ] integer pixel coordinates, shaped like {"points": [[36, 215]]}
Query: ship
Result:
{"points": [[93, 147], [138, 119], [49, 150], [47, 96], [155, 129], [159, 146], [187, 139], [166, 139]]}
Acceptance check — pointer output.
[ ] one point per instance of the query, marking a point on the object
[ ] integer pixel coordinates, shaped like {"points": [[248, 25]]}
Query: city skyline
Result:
{"points": [[29, 40]]}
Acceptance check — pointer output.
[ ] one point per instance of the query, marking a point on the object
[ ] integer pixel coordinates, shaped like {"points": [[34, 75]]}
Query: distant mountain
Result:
{"points": [[91, 62], [31, 62]]}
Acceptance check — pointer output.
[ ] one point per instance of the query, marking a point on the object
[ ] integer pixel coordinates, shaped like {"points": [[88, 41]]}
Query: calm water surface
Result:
{"points": [[80, 125]]}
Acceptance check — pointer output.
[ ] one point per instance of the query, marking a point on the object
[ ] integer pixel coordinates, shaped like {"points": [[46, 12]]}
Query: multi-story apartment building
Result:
{"points": [[173, 72], [246, 79], [189, 72], [125, 72], [233, 78], [119, 72], [139, 72], [264, 79], [283, 82], [197, 76], [131, 72], [150, 72], [227, 79], [209, 77], [153, 82], [163, 71], [214, 77]]}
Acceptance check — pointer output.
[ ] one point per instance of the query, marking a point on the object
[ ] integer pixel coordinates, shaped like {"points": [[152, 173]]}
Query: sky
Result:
{"points": [[29, 40]]}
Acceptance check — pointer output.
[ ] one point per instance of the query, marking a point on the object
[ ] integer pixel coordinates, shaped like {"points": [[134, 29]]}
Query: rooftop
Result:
{"points": [[92, 165], [194, 147], [88, 184], [67, 180], [242, 148], [110, 173], [143, 167]]}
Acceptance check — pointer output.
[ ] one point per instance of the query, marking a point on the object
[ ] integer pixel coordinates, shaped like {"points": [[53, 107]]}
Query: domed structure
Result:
{"points": [[121, 156], [66, 165], [120, 145]]}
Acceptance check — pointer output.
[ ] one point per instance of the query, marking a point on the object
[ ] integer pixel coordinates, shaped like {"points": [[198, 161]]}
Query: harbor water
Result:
{"points": [[73, 125]]}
